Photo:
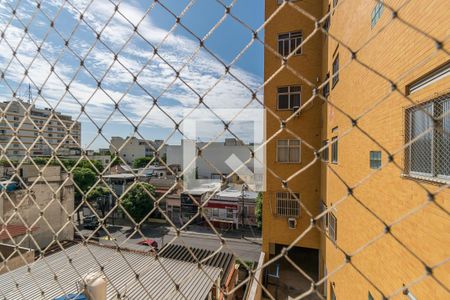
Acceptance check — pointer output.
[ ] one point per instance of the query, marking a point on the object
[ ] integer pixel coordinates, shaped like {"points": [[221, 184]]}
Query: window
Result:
{"points": [[376, 13], [288, 151], [332, 227], [370, 297], [375, 159], [325, 150], [281, 1], [287, 42], [324, 219], [16, 118], [335, 70], [289, 97], [215, 212], [229, 213], [326, 22], [326, 87], [332, 294], [334, 150], [335, 2], [428, 155], [287, 204]]}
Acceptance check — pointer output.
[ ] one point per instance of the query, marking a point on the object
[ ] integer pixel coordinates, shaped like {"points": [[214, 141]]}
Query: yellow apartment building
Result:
{"points": [[37, 130], [384, 178]]}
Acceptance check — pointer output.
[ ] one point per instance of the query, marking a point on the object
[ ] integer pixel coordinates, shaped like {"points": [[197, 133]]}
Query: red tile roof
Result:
{"points": [[13, 230]]}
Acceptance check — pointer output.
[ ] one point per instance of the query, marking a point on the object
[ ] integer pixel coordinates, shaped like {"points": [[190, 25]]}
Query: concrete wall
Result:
{"points": [[402, 55], [13, 259], [54, 201], [307, 126]]}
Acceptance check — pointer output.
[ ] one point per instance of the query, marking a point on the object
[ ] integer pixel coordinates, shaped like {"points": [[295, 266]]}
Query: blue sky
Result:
{"points": [[200, 71]]}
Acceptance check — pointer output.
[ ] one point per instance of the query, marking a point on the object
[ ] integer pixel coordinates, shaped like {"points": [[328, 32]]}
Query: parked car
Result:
{"points": [[150, 243], [90, 222]]}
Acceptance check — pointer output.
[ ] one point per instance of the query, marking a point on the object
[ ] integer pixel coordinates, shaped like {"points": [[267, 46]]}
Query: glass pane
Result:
{"points": [[295, 88], [294, 155], [295, 100], [421, 149], [283, 154], [284, 89], [283, 102]]}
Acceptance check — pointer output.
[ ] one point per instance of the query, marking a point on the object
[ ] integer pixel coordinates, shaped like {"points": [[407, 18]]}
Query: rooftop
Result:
{"points": [[157, 277]]}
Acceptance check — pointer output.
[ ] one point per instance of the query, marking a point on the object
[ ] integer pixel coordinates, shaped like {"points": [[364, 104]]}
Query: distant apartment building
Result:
{"points": [[387, 147], [132, 148], [43, 211], [38, 129], [213, 161]]}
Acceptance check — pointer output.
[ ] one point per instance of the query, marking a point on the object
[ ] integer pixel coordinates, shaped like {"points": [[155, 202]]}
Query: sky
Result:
{"points": [[201, 71]]}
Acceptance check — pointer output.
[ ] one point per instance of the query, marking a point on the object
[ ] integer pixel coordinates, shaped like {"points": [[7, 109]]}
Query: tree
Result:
{"points": [[137, 202], [258, 209], [141, 162], [99, 195], [85, 179]]}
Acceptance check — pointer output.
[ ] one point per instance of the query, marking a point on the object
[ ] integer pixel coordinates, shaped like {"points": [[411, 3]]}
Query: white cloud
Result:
{"points": [[200, 75]]}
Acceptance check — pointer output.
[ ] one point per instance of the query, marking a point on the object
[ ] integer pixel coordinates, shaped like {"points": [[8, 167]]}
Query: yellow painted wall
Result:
{"points": [[382, 263]]}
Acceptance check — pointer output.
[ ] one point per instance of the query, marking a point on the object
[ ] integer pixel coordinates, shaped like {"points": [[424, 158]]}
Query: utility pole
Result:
{"points": [[244, 188]]}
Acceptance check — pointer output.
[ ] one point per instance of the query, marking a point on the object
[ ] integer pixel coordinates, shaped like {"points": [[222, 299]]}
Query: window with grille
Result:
{"points": [[289, 97], [324, 219], [336, 70], [428, 132], [326, 87], [325, 150], [288, 151], [375, 159], [229, 213], [287, 204], [376, 13], [287, 42], [332, 227], [334, 150]]}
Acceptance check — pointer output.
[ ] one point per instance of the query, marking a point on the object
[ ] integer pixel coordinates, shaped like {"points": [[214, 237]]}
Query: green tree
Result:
{"points": [[258, 209], [137, 202], [85, 179], [99, 196], [141, 162]]}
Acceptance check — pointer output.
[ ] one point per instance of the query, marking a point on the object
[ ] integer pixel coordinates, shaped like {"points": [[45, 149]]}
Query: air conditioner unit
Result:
{"points": [[294, 109], [292, 222]]}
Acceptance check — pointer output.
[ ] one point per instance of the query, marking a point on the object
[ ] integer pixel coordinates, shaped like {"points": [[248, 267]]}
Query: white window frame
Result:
{"points": [[290, 147], [287, 205], [436, 108], [294, 39], [290, 94]]}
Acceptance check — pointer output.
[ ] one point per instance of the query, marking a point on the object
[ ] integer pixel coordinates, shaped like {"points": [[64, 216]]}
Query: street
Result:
{"points": [[244, 245]]}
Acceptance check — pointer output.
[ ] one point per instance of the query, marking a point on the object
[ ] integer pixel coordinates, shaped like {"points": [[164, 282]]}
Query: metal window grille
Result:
{"points": [[335, 71], [288, 204], [334, 150], [325, 151], [332, 227], [289, 97], [288, 151], [427, 130], [289, 43]]}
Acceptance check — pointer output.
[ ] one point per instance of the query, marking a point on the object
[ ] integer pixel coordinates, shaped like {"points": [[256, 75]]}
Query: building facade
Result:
{"points": [[37, 130], [44, 209], [385, 138], [131, 148]]}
